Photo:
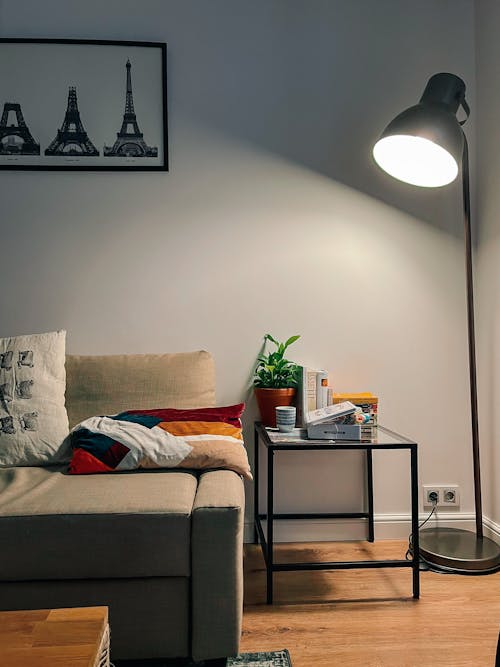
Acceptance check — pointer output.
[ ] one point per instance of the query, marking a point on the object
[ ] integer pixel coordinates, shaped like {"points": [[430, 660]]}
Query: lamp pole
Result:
{"points": [[472, 341]]}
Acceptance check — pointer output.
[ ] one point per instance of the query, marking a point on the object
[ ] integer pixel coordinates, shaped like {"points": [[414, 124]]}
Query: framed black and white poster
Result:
{"points": [[83, 105]]}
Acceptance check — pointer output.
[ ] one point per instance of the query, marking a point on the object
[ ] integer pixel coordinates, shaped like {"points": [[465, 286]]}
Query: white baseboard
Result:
{"points": [[491, 528], [387, 527]]}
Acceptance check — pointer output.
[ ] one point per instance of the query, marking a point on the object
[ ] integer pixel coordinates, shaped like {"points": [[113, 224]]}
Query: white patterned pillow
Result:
{"points": [[33, 419]]}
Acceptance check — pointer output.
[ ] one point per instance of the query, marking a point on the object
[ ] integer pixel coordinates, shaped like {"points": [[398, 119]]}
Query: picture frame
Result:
{"points": [[83, 105]]}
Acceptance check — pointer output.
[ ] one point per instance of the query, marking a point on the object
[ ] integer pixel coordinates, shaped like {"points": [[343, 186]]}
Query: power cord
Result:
{"points": [[408, 555]]}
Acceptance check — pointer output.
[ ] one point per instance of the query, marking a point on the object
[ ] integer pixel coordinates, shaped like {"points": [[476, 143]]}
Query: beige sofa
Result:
{"points": [[161, 548]]}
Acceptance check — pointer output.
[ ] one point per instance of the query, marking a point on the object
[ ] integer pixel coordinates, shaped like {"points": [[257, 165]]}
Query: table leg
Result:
{"points": [[414, 523], [256, 486], [369, 493], [270, 521]]}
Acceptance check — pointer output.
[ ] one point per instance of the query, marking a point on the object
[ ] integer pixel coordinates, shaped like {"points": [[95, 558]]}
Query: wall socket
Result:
{"points": [[447, 495]]}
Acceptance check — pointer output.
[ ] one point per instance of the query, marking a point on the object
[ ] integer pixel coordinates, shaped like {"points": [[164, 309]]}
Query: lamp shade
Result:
{"points": [[423, 145]]}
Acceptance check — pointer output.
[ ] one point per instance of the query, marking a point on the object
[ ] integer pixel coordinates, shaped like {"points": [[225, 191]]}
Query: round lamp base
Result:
{"points": [[458, 551]]}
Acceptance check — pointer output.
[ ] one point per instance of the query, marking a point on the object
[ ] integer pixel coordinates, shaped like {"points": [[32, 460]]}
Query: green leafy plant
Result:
{"points": [[273, 370]]}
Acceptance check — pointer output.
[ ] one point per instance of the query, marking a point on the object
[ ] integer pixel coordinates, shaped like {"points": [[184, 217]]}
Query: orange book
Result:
{"points": [[358, 399]]}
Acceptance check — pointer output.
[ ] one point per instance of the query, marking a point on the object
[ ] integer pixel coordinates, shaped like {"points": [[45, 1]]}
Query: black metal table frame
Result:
{"points": [[267, 540]]}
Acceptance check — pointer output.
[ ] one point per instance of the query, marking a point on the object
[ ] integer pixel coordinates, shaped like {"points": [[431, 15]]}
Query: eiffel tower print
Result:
{"points": [[16, 139], [130, 140], [72, 139]]}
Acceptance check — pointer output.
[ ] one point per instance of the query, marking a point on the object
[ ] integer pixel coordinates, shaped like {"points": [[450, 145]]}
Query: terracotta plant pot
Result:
{"points": [[269, 399]]}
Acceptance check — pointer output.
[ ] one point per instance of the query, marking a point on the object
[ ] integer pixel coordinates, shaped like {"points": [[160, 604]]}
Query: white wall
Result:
{"points": [[272, 218], [488, 102]]}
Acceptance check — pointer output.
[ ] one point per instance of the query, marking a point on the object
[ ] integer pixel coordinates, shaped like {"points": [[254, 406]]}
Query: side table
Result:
{"points": [[274, 441]]}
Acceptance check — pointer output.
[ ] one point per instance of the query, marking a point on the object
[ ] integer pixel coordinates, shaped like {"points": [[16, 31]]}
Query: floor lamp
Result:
{"points": [[424, 146]]}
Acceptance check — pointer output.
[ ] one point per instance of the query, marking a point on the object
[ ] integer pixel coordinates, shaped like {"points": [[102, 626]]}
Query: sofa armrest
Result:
{"points": [[217, 565]]}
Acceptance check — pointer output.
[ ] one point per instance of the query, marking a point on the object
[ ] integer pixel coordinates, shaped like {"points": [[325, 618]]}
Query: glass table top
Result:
{"points": [[382, 437]]}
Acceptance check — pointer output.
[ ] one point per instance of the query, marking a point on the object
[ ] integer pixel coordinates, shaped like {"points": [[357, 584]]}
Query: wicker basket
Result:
{"points": [[103, 654]]}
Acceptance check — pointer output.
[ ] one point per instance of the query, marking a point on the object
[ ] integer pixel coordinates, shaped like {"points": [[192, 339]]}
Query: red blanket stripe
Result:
{"points": [[229, 414], [83, 463]]}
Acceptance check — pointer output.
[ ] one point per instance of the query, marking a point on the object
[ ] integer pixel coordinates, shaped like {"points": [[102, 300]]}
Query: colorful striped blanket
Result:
{"points": [[203, 438]]}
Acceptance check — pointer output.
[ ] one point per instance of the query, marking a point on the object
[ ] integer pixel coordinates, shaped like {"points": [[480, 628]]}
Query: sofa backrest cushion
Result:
{"points": [[104, 385]]}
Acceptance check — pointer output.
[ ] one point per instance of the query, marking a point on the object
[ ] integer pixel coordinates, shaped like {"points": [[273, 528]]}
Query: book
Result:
{"points": [[321, 389], [306, 393], [296, 435], [340, 431], [329, 414], [334, 431]]}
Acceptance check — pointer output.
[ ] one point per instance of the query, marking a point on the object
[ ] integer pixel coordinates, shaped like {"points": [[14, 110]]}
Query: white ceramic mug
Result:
{"points": [[285, 418]]}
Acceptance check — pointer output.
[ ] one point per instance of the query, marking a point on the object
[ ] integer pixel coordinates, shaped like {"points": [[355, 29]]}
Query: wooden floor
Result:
{"points": [[368, 617]]}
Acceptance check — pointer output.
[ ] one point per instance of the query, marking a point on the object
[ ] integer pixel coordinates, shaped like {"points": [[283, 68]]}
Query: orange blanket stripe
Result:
{"points": [[201, 428]]}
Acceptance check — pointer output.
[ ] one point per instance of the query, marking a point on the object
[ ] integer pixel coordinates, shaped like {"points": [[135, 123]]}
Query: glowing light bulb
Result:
{"points": [[415, 160]]}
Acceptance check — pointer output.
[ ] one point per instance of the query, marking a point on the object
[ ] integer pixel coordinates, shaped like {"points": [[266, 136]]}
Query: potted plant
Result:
{"points": [[275, 380]]}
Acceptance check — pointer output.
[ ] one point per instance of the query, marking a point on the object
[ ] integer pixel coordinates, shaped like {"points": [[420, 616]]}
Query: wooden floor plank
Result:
{"points": [[368, 617], [51, 638]]}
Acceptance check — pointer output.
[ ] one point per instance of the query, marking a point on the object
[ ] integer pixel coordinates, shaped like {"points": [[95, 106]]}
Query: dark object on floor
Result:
{"points": [[458, 551], [274, 658]]}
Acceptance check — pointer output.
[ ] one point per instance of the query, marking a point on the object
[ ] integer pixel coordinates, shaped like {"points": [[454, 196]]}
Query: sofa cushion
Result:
{"points": [[59, 526], [33, 419], [105, 385]]}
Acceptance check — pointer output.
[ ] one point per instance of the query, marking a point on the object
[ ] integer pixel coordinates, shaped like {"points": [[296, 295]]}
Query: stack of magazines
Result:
{"points": [[342, 421]]}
